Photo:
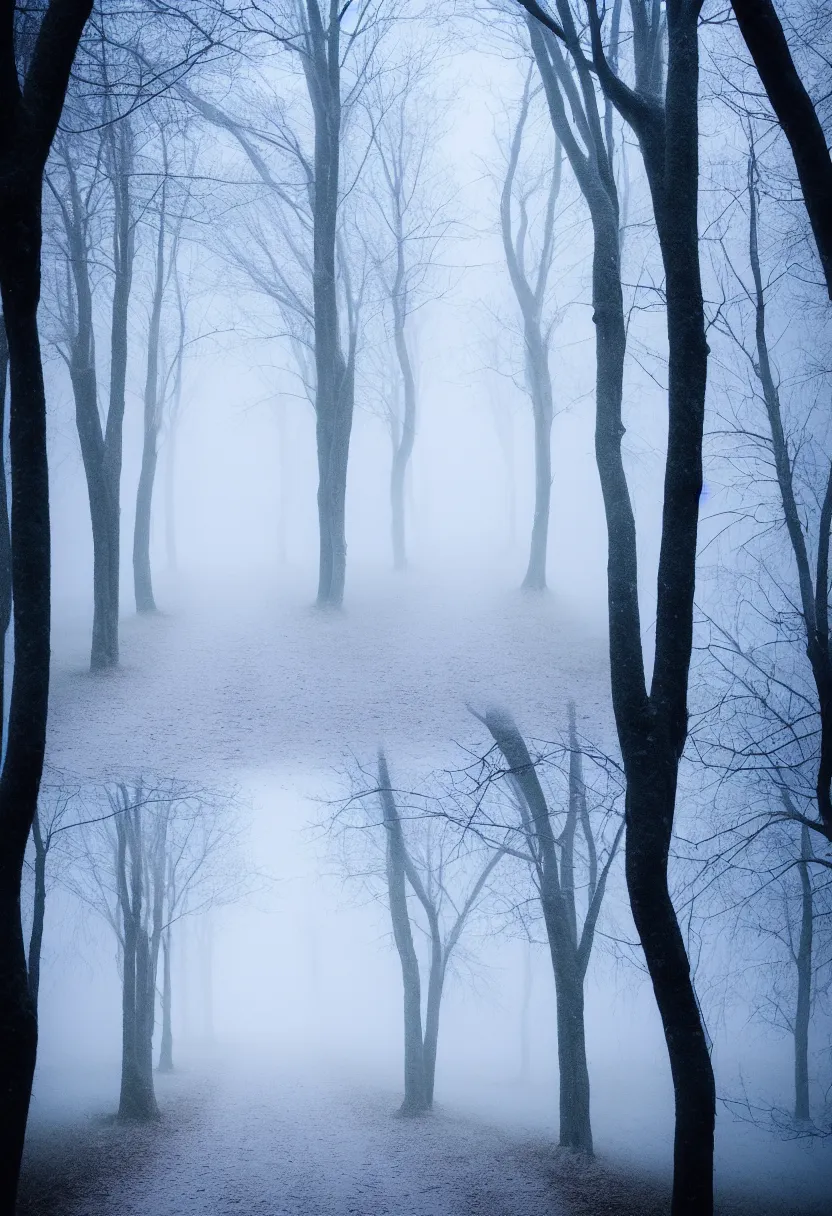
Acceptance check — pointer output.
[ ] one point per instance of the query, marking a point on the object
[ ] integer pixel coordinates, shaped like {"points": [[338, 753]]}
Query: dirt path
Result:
{"points": [[258, 1142]]}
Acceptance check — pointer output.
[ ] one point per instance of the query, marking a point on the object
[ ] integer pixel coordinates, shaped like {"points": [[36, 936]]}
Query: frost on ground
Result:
{"points": [[248, 1141], [254, 1143], [255, 677]]}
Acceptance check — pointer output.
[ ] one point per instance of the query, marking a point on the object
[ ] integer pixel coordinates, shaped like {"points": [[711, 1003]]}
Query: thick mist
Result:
{"points": [[329, 901]]}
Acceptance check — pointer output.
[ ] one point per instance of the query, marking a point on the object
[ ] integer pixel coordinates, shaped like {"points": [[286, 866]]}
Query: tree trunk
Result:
{"points": [[766, 41], [123, 256], [5, 535], [415, 1089], [170, 501], [436, 982], [166, 1045], [38, 912], [404, 448], [649, 811], [575, 1122], [525, 1008], [142, 577], [803, 962], [20, 243], [535, 579], [334, 375], [27, 129]]}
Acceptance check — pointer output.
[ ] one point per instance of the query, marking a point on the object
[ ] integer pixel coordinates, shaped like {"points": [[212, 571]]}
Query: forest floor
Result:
{"points": [[256, 677], [258, 1141]]}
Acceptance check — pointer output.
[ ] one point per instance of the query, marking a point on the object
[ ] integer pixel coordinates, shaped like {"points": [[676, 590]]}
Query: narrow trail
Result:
{"points": [[253, 1142]]}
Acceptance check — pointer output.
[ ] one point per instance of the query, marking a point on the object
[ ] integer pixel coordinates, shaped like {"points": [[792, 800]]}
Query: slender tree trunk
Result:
{"points": [[541, 384], [142, 576], [436, 982], [404, 448], [123, 257], [166, 1046], [575, 1123], [38, 912], [525, 1007], [415, 1090], [170, 502], [804, 982]]}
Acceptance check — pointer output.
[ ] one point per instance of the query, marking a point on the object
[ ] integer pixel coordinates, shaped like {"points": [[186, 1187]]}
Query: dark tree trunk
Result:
{"points": [[5, 535], [415, 1090], [760, 27], [38, 911], [803, 962], [652, 727], [568, 961], [166, 1044], [28, 121], [20, 239]]}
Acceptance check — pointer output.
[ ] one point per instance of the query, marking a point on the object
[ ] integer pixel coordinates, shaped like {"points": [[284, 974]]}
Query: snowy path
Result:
{"points": [[261, 1144], [267, 681]]}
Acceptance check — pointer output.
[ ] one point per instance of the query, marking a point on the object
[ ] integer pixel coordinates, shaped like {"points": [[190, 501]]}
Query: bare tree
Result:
{"points": [[434, 882], [411, 221], [160, 850], [662, 110], [529, 270], [334, 47], [552, 860], [85, 170]]}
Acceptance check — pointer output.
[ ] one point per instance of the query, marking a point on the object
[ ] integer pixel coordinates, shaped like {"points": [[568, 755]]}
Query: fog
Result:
{"points": [[328, 900]]}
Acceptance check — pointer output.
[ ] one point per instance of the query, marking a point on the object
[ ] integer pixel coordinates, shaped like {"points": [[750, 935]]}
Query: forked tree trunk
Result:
{"points": [[651, 726], [415, 1089], [567, 964]]}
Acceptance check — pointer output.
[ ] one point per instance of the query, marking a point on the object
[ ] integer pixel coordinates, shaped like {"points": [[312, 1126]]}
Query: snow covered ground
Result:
{"points": [[252, 676], [255, 1141]]}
